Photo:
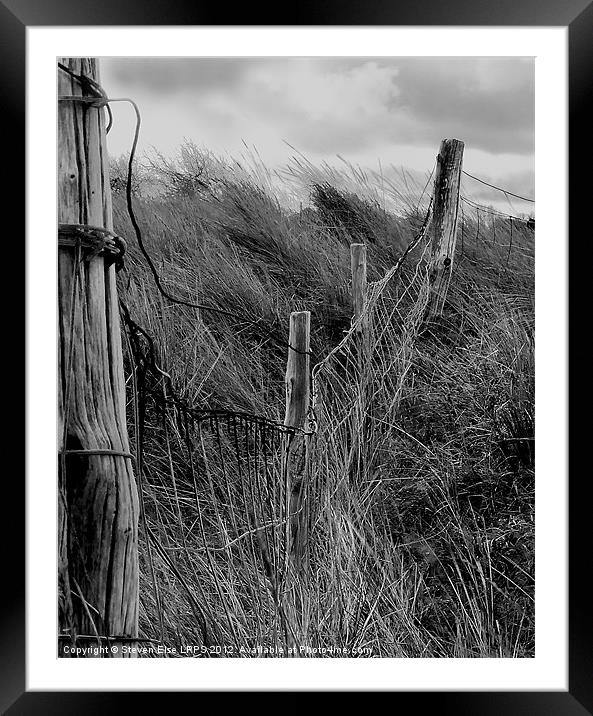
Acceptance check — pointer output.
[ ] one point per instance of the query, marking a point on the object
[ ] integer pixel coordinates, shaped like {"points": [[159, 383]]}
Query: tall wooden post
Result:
{"points": [[98, 505], [297, 369], [358, 266], [297, 407], [444, 221]]}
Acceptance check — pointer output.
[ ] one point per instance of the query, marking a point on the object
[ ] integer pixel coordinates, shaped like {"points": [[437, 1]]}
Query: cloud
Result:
{"points": [[342, 106], [394, 108], [488, 102], [164, 75]]}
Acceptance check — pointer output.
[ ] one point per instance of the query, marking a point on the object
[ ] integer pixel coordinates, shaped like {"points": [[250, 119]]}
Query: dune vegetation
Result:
{"points": [[421, 496]]}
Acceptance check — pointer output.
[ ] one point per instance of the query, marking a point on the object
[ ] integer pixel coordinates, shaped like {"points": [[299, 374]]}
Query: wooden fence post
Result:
{"points": [[358, 267], [297, 370], [98, 505], [297, 406], [444, 221]]}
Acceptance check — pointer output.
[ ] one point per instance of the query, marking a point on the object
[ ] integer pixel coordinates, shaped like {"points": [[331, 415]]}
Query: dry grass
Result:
{"points": [[420, 501]]}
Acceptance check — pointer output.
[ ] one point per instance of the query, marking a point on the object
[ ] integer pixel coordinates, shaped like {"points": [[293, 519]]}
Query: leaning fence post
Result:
{"points": [[297, 407], [98, 501], [444, 221]]}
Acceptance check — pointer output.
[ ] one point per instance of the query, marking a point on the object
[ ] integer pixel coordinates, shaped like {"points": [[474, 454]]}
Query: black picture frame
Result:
{"points": [[577, 15]]}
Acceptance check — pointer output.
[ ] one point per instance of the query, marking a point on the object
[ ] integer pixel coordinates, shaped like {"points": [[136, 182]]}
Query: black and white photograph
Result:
{"points": [[297, 355], [296, 366]]}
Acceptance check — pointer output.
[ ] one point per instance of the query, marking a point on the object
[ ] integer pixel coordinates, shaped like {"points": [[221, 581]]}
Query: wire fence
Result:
{"points": [[215, 496], [226, 535], [214, 503], [488, 210], [218, 509]]}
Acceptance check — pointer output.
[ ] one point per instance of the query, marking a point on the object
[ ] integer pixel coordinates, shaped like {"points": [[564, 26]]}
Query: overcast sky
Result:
{"points": [[368, 110]]}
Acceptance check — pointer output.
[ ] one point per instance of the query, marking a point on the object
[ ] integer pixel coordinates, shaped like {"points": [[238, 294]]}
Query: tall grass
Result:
{"points": [[420, 496]]}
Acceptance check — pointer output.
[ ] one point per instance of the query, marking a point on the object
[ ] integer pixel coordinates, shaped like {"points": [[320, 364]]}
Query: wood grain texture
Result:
{"points": [[98, 506], [444, 221], [297, 370], [358, 267], [361, 350], [295, 452]]}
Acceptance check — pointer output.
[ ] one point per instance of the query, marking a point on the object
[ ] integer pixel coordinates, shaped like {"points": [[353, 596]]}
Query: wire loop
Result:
{"points": [[95, 240]]}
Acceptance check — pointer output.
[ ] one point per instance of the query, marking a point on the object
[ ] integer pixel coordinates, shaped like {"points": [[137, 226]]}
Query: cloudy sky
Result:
{"points": [[368, 110]]}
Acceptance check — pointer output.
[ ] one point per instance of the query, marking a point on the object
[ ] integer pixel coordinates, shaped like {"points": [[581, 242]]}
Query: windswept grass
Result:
{"points": [[421, 486]]}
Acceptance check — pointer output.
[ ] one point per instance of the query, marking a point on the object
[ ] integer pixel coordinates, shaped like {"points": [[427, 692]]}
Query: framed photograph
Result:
{"points": [[310, 425]]}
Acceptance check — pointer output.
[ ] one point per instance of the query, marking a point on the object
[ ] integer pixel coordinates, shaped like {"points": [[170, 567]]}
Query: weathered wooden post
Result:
{"points": [[297, 407], [297, 369], [444, 221], [358, 267], [98, 505]]}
